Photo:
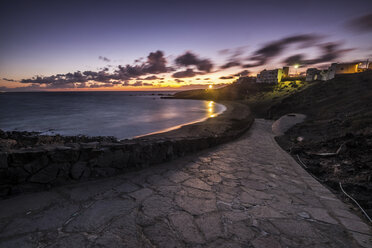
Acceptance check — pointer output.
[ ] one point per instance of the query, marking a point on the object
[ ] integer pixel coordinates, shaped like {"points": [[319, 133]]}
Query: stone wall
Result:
{"points": [[42, 167]]}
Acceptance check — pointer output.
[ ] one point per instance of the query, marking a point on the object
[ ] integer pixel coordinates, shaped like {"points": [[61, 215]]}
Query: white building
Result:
{"points": [[313, 74], [272, 76]]}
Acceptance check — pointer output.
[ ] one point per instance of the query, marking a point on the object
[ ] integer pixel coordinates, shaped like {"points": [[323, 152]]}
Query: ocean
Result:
{"points": [[120, 114]]}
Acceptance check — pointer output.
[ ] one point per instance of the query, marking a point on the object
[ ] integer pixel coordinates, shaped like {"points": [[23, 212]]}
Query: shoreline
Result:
{"points": [[224, 108], [32, 162], [147, 118]]}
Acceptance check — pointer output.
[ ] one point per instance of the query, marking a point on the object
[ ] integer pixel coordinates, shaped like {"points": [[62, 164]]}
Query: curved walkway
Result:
{"points": [[247, 193]]}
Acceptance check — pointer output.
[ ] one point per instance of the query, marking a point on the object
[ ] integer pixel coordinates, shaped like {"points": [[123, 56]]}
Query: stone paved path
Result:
{"points": [[247, 193]]}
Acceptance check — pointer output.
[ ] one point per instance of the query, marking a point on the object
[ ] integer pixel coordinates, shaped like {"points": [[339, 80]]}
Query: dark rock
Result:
{"points": [[64, 154], [46, 175], [21, 157], [89, 145], [6, 144], [17, 174], [3, 160], [77, 170], [36, 165], [5, 190]]}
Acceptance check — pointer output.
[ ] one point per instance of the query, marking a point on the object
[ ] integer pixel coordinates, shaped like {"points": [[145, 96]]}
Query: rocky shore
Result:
{"points": [[31, 162]]}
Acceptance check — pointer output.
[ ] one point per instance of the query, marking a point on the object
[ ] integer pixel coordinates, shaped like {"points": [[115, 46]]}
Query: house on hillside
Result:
{"points": [[345, 68], [272, 76], [313, 74]]}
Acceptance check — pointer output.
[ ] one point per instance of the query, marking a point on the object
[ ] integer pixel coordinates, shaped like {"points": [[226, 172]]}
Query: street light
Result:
{"points": [[296, 67]]}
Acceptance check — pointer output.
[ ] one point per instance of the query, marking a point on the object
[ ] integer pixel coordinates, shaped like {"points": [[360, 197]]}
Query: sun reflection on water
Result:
{"points": [[211, 109]]}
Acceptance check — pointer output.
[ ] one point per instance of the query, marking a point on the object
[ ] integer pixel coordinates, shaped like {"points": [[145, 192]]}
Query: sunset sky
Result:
{"points": [[137, 45]]}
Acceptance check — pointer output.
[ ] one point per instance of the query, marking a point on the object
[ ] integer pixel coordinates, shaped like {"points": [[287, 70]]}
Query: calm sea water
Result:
{"points": [[119, 114]]}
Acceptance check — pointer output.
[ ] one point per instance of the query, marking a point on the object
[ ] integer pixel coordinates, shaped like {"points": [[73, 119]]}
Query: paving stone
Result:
{"points": [[223, 243], [160, 235], [235, 215], [264, 212], [177, 176], [24, 242], [27, 203], [295, 228], [88, 190], [355, 225], [126, 187], [248, 199], [210, 225], [71, 241], [197, 183], [142, 194], [51, 218], [345, 214], [197, 193], [363, 240], [196, 206], [214, 178], [99, 215], [184, 224], [320, 214], [266, 241], [157, 206], [158, 180], [242, 231]]}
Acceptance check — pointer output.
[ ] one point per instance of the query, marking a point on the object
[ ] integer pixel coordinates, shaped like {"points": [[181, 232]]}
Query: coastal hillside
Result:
{"points": [[336, 138], [260, 97], [334, 142]]}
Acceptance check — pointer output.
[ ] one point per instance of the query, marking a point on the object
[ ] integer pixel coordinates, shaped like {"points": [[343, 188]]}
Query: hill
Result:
{"points": [[334, 142]]}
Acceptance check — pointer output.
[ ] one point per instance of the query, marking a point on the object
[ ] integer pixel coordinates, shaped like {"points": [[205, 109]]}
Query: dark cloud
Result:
{"points": [[294, 59], [9, 80], [239, 74], [242, 73], [231, 64], [104, 59], [151, 78], [179, 80], [361, 24], [189, 58], [95, 85], [274, 49], [329, 52], [155, 64], [206, 78], [224, 51], [201, 86], [33, 87], [234, 57], [227, 77], [185, 74], [137, 83]]}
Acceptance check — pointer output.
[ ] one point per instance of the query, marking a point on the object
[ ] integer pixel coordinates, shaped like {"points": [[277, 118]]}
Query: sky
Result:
{"points": [[139, 45]]}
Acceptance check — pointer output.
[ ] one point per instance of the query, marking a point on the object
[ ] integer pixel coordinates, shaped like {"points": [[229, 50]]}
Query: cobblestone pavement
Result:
{"points": [[247, 193]]}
